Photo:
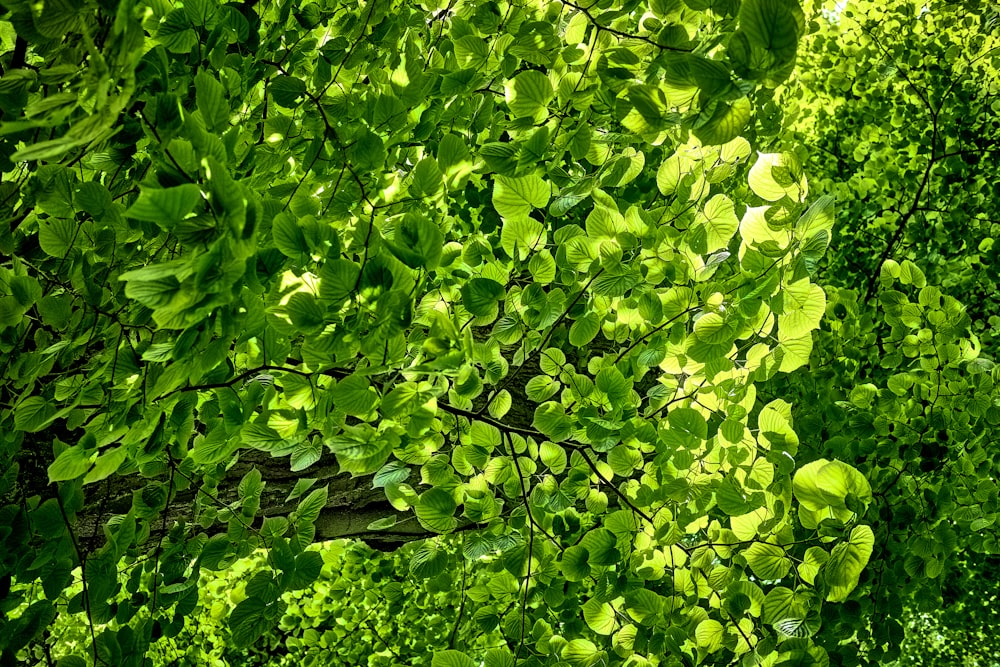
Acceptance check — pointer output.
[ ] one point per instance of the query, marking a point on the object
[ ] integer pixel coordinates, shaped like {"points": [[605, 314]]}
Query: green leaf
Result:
{"points": [[58, 19], [500, 158], [795, 353], [382, 524], [541, 388], [213, 447], [499, 657], [426, 179], [500, 404], [200, 11], [615, 284], [670, 172], [600, 617], [452, 658], [211, 99], [308, 566], [262, 437], [354, 395], [175, 32], [338, 281], [847, 560], [310, 507], [301, 486], [71, 463], [644, 604], [551, 419], [106, 465], [480, 296], [574, 563], [428, 561], [287, 91], [582, 653], [436, 509], [772, 25], [818, 219], [810, 566], [57, 236], [251, 618], [417, 242], [651, 104], [369, 152], [782, 603], [305, 454], [762, 175], [364, 452], [454, 159], [542, 267], [251, 485], [553, 456], [10, 312], [611, 381], [688, 428], [394, 472], [822, 484], [165, 206], [768, 561], [528, 94], [25, 290], [520, 236], [720, 221], [601, 546], [624, 169], [725, 123], [516, 197], [709, 635], [584, 330], [803, 306], [290, 238], [55, 310], [306, 312], [552, 361], [33, 414], [794, 627], [731, 500]]}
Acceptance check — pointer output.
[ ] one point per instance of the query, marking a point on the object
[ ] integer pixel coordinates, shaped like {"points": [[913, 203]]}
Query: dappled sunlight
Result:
{"points": [[481, 333]]}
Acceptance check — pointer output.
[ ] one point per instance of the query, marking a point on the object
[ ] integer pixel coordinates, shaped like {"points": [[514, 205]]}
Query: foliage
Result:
{"points": [[961, 627], [905, 93], [908, 118], [547, 274], [365, 607]]}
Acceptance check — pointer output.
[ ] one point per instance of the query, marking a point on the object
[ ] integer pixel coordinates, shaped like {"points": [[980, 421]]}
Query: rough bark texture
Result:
{"points": [[352, 502]]}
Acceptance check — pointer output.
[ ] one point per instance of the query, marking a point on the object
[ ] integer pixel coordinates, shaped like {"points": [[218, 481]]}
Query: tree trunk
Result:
{"points": [[352, 505], [352, 502]]}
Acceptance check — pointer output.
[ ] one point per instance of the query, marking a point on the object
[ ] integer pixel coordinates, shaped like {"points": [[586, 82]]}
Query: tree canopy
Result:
{"points": [[620, 332]]}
